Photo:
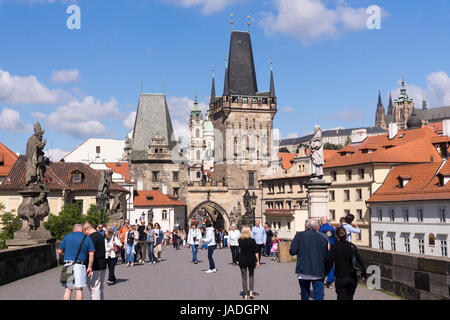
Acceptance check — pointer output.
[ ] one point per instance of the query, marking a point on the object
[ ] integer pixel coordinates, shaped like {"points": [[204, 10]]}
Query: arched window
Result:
{"points": [[199, 175], [197, 133], [164, 214]]}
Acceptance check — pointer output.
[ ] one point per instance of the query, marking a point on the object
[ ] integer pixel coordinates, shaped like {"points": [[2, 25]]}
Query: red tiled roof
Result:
{"points": [[287, 159], [409, 146], [58, 176], [438, 127], [146, 198], [423, 185], [8, 158], [121, 168]]}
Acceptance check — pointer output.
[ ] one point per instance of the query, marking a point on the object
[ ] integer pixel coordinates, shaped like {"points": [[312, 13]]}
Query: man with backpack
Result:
{"points": [[329, 231]]}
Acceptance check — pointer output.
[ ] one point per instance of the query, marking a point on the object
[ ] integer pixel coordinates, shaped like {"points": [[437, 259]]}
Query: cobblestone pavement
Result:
{"points": [[176, 277]]}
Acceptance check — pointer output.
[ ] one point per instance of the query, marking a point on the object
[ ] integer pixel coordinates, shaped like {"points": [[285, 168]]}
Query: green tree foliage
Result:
{"points": [[284, 149], [62, 224], [301, 145], [348, 141], [94, 216], [331, 146], [11, 223]]}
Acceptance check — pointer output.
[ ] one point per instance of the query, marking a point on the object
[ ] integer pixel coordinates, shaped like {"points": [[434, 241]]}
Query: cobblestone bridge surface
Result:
{"points": [[176, 277]]}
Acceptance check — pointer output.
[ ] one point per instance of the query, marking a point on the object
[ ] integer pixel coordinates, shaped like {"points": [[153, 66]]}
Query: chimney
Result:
{"points": [[446, 127], [358, 135], [393, 130]]}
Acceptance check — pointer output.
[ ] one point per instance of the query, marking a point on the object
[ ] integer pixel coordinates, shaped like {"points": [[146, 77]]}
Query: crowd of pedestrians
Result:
{"points": [[325, 255]]}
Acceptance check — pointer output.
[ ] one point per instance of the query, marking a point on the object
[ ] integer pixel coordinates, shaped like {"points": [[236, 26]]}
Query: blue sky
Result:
{"points": [[328, 66]]}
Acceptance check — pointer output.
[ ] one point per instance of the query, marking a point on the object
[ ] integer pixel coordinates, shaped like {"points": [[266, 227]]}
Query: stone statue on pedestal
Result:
{"points": [[34, 207], [116, 213], [103, 195], [316, 156]]}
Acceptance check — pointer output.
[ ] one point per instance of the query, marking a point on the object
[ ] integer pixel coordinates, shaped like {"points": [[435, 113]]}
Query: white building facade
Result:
{"points": [[97, 150]]}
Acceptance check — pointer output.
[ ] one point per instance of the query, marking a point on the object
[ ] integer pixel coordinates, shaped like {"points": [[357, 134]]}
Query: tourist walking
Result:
{"points": [[100, 229], [175, 239], [151, 243], [159, 239], [77, 248], [184, 238], [141, 250], [329, 231], [259, 234], [274, 244], [217, 238], [112, 249], [350, 226], [233, 243], [248, 260], [114, 230], [122, 236], [225, 238], [269, 235], [132, 237], [193, 240], [341, 256], [311, 249], [96, 280], [210, 241]]}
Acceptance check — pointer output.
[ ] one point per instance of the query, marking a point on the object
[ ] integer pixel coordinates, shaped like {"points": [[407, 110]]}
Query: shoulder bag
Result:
{"points": [[355, 266], [116, 248], [67, 271]]}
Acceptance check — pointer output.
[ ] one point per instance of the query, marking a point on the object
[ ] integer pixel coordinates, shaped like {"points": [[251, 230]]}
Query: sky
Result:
{"points": [[328, 64]]}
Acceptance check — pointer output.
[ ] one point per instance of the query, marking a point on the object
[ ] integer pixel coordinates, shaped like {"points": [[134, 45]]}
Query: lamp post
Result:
{"points": [[253, 201]]}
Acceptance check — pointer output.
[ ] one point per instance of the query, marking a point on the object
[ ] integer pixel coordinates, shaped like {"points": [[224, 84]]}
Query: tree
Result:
{"points": [[11, 223], [284, 149], [94, 216], [331, 146], [62, 224], [348, 141]]}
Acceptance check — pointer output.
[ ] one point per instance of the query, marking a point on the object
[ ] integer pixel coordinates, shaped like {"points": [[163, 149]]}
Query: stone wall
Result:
{"points": [[411, 276], [20, 263]]}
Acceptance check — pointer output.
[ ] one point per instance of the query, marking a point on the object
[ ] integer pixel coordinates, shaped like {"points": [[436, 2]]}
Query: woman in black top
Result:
{"points": [[341, 253], [248, 259]]}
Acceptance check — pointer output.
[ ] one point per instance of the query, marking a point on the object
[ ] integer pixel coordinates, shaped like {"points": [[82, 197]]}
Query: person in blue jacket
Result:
{"points": [[330, 232]]}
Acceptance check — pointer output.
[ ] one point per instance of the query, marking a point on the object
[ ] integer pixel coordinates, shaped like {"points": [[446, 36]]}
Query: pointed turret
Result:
{"points": [[213, 90], [272, 84], [391, 106], [380, 104], [424, 102], [226, 91]]}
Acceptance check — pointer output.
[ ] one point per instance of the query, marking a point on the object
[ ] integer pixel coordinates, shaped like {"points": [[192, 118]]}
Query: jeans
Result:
{"points": [[141, 252], [235, 253], [194, 248], [267, 248], [211, 249], [260, 251], [318, 289], [130, 253], [151, 256], [111, 262]]}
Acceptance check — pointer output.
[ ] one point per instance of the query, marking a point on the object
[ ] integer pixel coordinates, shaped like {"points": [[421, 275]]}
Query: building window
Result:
{"points": [[279, 225], [300, 185], [407, 245], [361, 174], [444, 251], [333, 175], [76, 177], [332, 195], [393, 247], [251, 179], [392, 214], [346, 195], [431, 239], [419, 212], [359, 214], [164, 214], [175, 176], [155, 176], [406, 214], [358, 194], [333, 215], [176, 192], [97, 149], [199, 175], [290, 187], [348, 174], [442, 214], [289, 225], [380, 242], [421, 246], [380, 214]]}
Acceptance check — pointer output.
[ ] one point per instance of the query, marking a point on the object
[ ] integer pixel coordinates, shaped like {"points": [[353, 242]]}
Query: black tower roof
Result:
{"points": [[241, 75]]}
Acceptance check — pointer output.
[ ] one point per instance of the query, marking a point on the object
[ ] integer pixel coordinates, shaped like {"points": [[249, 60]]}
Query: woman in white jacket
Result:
{"points": [[193, 240], [210, 241], [111, 241]]}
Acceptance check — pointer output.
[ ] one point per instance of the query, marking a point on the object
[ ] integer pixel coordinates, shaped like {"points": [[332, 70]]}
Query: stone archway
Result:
{"points": [[214, 212]]}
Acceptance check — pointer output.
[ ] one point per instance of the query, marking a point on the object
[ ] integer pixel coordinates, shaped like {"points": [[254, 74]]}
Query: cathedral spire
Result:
{"points": [[213, 88], [225, 83], [391, 105], [272, 84], [424, 102]]}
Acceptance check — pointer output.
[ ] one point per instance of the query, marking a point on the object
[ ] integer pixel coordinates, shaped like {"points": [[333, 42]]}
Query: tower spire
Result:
{"points": [[225, 83], [272, 83], [424, 102], [391, 105], [213, 88]]}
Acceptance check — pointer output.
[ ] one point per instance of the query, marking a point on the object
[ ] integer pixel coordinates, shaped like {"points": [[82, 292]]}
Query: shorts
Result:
{"points": [[78, 280]]}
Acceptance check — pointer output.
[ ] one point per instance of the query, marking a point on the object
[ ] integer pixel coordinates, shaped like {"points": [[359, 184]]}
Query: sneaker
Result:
{"points": [[211, 271], [329, 285], [195, 262], [154, 262]]}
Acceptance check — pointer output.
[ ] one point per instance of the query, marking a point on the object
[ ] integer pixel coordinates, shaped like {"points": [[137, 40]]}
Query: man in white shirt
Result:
{"points": [[233, 243], [193, 240]]}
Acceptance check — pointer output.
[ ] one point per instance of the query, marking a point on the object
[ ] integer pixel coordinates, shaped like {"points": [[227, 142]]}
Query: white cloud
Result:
{"points": [[65, 76], [129, 121], [10, 121], [346, 115], [55, 154], [288, 109], [28, 90], [82, 118], [207, 6], [310, 20]]}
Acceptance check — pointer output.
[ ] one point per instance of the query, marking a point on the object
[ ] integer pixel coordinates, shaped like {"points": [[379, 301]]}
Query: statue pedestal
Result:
{"points": [[317, 194]]}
